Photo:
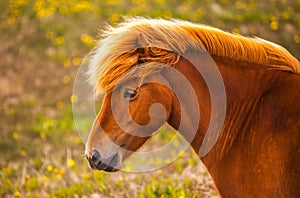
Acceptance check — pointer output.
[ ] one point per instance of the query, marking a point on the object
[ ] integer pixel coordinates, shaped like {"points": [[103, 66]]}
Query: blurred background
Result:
{"points": [[42, 44]]}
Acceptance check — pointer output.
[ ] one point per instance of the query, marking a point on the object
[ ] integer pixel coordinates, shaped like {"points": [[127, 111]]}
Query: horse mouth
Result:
{"points": [[110, 164]]}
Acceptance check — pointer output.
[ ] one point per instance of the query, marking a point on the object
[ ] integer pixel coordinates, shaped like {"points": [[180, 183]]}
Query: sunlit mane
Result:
{"points": [[139, 40]]}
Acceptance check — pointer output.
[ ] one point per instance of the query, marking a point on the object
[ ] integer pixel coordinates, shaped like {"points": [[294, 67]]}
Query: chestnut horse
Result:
{"points": [[257, 152]]}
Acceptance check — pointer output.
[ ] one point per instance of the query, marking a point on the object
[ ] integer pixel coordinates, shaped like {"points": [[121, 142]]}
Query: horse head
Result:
{"points": [[130, 113]]}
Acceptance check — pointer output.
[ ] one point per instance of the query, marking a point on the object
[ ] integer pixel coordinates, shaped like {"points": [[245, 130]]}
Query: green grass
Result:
{"points": [[42, 46]]}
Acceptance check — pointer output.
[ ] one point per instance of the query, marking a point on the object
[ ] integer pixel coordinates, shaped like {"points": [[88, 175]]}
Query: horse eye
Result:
{"points": [[129, 93]]}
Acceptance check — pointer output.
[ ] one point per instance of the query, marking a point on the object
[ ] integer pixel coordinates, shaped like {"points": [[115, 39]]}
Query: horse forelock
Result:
{"points": [[120, 48], [133, 64]]}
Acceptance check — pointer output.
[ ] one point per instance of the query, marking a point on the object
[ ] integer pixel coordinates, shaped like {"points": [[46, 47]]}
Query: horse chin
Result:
{"points": [[111, 169], [106, 168]]}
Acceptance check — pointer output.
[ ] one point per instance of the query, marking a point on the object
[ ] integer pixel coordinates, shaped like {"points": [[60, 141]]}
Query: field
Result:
{"points": [[42, 44]]}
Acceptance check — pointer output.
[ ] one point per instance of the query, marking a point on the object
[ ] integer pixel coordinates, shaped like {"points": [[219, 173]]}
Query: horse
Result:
{"points": [[256, 152]]}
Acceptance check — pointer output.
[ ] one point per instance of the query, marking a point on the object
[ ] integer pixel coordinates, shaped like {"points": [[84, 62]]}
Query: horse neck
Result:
{"points": [[245, 85]]}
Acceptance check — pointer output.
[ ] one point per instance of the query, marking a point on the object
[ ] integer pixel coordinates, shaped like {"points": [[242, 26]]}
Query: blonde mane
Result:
{"points": [[140, 40]]}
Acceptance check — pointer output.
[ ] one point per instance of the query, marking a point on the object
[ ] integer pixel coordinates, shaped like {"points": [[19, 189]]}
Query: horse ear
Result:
{"points": [[142, 41]]}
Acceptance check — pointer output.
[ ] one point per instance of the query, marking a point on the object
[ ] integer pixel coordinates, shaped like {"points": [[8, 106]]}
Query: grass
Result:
{"points": [[42, 45]]}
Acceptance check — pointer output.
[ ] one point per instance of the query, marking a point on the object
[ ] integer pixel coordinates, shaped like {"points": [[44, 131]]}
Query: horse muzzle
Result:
{"points": [[109, 164]]}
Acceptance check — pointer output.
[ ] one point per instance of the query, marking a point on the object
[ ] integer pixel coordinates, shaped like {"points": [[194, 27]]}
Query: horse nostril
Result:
{"points": [[95, 156], [122, 145]]}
